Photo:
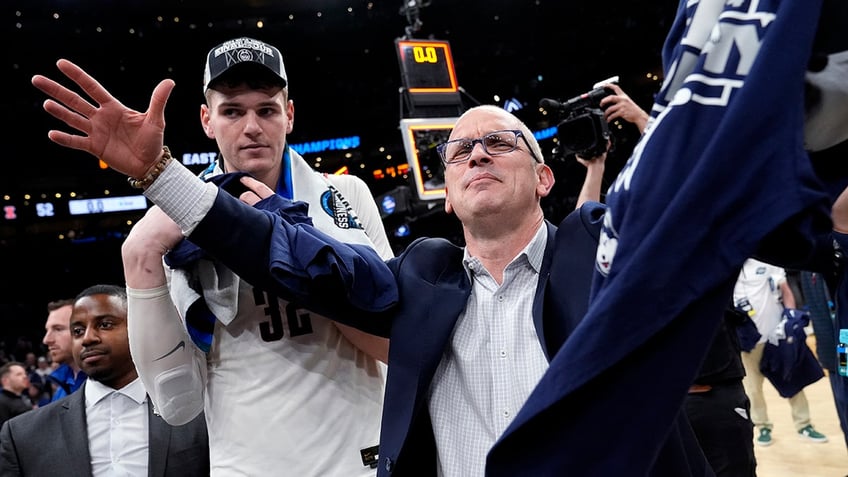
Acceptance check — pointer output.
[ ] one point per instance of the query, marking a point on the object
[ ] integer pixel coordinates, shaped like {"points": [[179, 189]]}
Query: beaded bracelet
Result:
{"points": [[154, 173]]}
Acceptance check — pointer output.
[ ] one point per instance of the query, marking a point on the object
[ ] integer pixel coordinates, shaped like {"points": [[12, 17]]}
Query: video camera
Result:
{"points": [[583, 130]]}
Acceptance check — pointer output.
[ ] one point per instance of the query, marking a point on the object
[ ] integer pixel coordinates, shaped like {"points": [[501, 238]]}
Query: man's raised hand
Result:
{"points": [[128, 141]]}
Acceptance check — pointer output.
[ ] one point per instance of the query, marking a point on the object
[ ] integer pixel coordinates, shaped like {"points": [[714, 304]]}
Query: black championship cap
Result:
{"points": [[241, 50]]}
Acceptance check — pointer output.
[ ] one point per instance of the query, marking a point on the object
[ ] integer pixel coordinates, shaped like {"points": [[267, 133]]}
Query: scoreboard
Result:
{"points": [[426, 66], [429, 77], [29, 209]]}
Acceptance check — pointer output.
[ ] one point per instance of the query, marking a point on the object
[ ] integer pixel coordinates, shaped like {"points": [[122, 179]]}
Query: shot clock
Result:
{"points": [[429, 79], [426, 66]]}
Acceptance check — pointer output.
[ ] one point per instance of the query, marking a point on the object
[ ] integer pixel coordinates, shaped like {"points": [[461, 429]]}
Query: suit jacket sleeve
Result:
{"points": [[283, 254], [361, 200], [9, 465]]}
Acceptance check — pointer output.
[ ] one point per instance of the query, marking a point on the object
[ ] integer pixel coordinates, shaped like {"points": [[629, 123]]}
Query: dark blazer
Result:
{"points": [[431, 272], [53, 440], [432, 290]]}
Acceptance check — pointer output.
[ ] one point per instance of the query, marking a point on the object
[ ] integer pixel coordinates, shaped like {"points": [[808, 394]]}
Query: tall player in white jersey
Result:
{"points": [[285, 391]]}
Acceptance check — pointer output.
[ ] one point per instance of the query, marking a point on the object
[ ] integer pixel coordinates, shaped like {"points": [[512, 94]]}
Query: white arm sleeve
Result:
{"points": [[171, 367]]}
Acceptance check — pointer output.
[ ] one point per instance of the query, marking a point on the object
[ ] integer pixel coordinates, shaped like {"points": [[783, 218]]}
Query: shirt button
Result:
{"points": [[502, 353], [500, 298], [505, 413]]}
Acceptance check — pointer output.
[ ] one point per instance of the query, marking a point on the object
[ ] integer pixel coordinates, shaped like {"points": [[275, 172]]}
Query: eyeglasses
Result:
{"points": [[495, 143]]}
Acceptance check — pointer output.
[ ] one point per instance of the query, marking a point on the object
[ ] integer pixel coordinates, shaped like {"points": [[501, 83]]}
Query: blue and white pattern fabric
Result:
{"points": [[721, 167]]}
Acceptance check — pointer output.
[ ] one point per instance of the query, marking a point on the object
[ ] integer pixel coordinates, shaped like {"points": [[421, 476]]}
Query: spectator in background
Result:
{"points": [[30, 361], [763, 292], [43, 369], [37, 382], [67, 378], [37, 394], [13, 397], [108, 428]]}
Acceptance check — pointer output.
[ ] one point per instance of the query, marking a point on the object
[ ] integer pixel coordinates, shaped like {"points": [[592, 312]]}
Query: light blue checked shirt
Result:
{"points": [[492, 364]]}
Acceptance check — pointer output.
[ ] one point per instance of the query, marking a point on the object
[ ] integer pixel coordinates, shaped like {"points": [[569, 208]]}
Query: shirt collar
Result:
{"points": [[95, 391], [534, 251]]}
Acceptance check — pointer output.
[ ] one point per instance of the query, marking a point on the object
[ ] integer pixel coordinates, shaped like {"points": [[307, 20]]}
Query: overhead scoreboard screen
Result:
{"points": [[421, 136], [429, 80], [427, 70]]}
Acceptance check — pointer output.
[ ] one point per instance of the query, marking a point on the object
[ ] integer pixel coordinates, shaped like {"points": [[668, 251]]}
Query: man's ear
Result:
{"points": [[546, 180], [204, 121], [290, 114]]}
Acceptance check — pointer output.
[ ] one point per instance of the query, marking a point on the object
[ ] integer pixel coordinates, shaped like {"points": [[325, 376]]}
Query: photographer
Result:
{"points": [[617, 105]]}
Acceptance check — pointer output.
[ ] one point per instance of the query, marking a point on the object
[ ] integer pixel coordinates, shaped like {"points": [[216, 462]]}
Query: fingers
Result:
{"points": [[85, 81], [258, 191], [611, 102], [61, 94], [615, 87], [72, 119], [127, 140], [156, 110], [68, 106], [69, 98], [613, 111], [68, 116], [72, 141], [258, 188]]}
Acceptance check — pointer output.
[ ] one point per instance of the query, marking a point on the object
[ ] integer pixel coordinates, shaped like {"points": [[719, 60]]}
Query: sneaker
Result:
{"points": [[811, 434], [764, 438]]}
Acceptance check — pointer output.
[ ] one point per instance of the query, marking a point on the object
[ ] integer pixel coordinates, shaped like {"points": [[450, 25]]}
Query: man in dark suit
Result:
{"points": [[78, 435]]}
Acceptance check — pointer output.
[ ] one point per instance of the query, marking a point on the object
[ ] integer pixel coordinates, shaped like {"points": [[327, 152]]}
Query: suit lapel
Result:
{"points": [[75, 434], [159, 437], [538, 316], [427, 318]]}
